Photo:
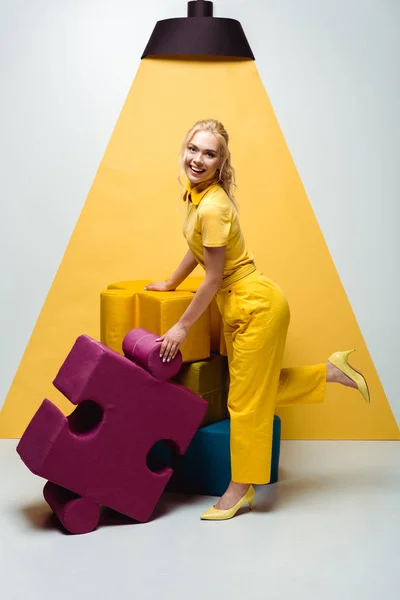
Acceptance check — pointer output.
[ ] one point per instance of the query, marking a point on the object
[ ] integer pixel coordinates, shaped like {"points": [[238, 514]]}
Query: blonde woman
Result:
{"points": [[255, 317]]}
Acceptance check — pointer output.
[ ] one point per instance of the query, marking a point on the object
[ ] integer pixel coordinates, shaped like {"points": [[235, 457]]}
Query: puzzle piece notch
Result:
{"points": [[108, 464]]}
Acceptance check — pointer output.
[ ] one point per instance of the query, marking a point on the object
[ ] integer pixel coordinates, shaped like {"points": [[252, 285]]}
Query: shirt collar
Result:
{"points": [[197, 192]]}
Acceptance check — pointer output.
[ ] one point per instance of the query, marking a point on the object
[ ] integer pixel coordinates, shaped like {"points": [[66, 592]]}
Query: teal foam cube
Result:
{"points": [[206, 466]]}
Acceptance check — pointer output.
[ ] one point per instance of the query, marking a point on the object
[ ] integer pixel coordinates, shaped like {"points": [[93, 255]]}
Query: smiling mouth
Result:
{"points": [[197, 171]]}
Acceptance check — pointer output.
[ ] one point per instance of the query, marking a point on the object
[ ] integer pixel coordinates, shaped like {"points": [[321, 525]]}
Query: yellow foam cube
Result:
{"points": [[210, 380], [117, 317], [191, 284], [131, 286], [126, 305], [159, 311]]}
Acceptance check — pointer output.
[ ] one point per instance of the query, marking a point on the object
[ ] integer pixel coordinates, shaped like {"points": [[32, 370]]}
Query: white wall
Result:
{"points": [[331, 72]]}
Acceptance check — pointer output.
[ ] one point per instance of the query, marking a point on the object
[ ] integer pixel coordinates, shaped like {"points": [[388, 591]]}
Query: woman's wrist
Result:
{"points": [[170, 284], [184, 324]]}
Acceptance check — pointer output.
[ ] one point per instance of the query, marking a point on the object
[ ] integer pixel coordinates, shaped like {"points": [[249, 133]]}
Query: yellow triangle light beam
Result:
{"points": [[130, 228]]}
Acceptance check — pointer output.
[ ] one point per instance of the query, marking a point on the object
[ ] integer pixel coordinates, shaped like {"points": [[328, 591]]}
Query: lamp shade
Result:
{"points": [[199, 34]]}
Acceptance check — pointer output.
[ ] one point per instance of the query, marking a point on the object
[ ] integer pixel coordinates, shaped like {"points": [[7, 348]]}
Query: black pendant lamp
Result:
{"points": [[198, 34]]}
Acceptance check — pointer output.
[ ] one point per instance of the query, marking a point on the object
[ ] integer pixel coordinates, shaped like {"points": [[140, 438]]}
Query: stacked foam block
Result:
{"points": [[126, 305]]}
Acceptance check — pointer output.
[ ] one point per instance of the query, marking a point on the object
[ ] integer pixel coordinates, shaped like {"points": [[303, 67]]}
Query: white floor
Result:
{"points": [[329, 530]]}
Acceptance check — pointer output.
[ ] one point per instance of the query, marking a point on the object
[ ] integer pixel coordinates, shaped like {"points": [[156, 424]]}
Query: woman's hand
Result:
{"points": [[159, 286], [171, 342]]}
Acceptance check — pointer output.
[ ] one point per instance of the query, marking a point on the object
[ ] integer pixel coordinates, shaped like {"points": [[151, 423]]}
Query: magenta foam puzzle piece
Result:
{"points": [[99, 452]]}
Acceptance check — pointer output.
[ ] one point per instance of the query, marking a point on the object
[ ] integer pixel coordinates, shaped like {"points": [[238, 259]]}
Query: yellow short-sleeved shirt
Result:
{"points": [[211, 220]]}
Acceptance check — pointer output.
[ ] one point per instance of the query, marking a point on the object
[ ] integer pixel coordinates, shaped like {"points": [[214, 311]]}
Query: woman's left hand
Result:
{"points": [[171, 342]]}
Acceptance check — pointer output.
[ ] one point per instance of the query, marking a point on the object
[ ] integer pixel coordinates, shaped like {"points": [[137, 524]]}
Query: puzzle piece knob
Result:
{"points": [[77, 514], [140, 346]]}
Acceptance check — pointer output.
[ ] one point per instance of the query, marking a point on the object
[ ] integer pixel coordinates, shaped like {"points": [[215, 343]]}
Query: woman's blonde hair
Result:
{"points": [[226, 173]]}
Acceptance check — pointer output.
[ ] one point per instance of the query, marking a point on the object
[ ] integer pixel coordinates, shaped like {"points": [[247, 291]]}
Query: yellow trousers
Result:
{"points": [[256, 317]]}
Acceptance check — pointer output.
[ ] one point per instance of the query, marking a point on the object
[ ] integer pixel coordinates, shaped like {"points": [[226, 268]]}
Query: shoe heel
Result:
{"points": [[251, 499], [340, 360]]}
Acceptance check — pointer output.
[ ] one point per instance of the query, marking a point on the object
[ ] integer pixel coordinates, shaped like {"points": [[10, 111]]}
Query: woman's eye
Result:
{"points": [[211, 155]]}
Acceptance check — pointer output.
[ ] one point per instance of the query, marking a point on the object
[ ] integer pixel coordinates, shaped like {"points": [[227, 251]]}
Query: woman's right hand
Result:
{"points": [[159, 286]]}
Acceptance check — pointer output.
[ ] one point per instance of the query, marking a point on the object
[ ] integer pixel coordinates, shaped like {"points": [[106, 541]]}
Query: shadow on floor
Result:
{"points": [[40, 516], [290, 488]]}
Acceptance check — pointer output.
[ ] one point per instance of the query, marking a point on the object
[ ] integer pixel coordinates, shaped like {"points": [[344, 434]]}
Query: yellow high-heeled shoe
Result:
{"points": [[340, 360], [215, 514]]}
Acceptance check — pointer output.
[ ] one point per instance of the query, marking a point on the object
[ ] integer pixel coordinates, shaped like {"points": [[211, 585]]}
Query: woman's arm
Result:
{"points": [[187, 265], [214, 260]]}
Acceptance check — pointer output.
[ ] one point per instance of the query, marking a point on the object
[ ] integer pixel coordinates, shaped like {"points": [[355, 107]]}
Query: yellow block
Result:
{"points": [[130, 228], [126, 305], [159, 311], [117, 317], [210, 380], [191, 284], [132, 286]]}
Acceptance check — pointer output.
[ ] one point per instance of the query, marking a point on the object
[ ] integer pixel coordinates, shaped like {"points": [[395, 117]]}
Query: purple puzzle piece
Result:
{"points": [[97, 455]]}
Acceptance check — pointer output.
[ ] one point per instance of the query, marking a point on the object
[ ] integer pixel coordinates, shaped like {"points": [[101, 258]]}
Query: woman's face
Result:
{"points": [[202, 157]]}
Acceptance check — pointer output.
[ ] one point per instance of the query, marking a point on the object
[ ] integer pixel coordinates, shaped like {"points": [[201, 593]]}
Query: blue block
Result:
{"points": [[206, 466]]}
